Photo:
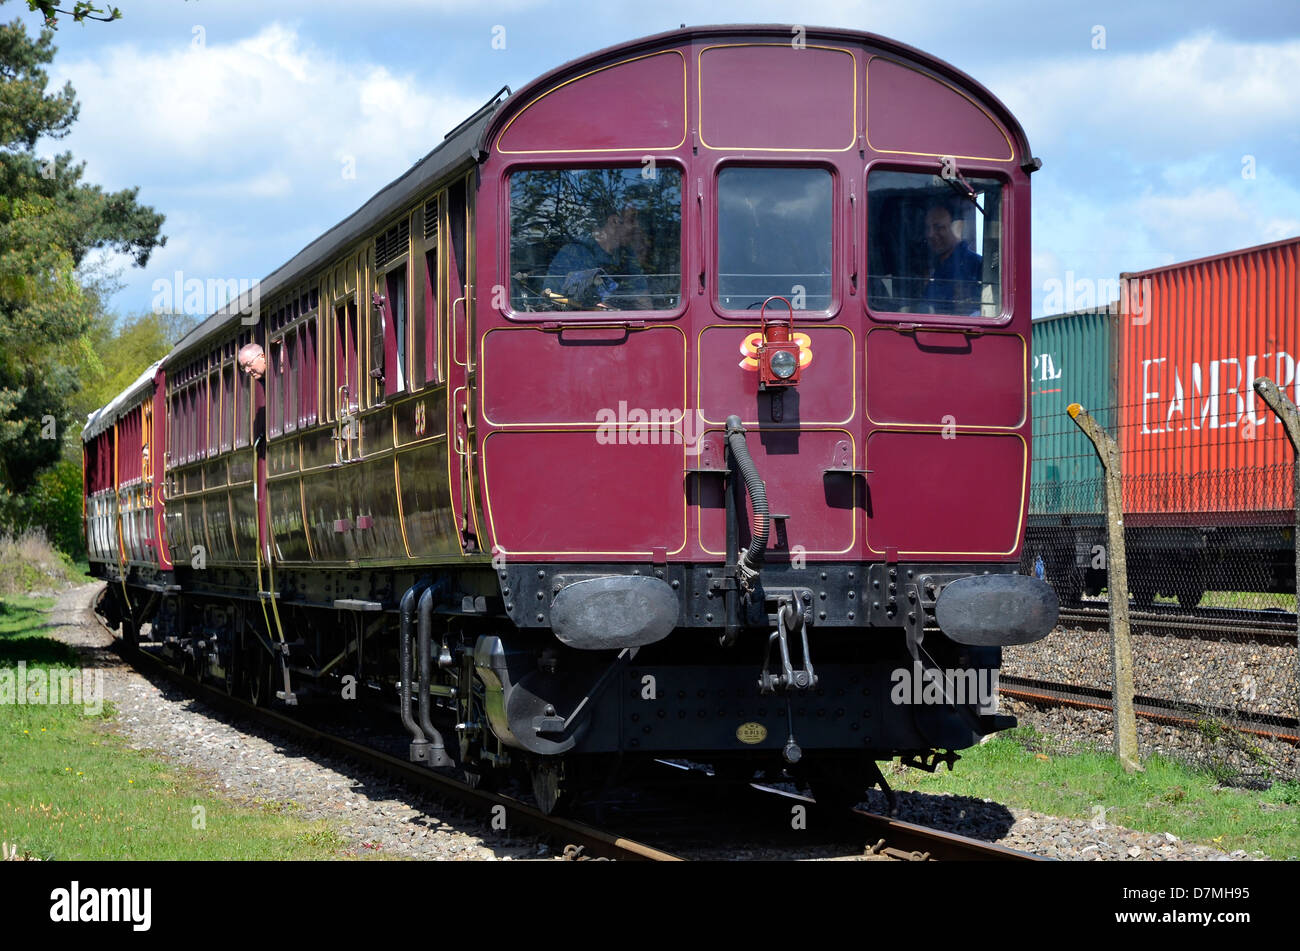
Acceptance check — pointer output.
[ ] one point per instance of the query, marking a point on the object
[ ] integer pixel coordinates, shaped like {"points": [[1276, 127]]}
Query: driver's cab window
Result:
{"points": [[596, 239], [934, 245]]}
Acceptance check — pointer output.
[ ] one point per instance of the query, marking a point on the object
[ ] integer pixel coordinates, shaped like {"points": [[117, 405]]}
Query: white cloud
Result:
{"points": [[242, 144], [270, 101], [1143, 153], [1200, 93], [1209, 216]]}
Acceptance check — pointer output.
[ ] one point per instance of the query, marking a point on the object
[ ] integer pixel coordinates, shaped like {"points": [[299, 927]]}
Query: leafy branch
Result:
{"points": [[81, 12]]}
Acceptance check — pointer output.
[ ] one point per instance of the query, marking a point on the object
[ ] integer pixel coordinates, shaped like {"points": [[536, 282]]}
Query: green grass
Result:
{"points": [[1168, 797], [1248, 600], [28, 562], [1240, 600], [70, 788]]}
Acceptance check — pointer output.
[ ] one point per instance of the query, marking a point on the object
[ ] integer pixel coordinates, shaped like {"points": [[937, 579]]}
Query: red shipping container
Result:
{"points": [[1194, 336]]}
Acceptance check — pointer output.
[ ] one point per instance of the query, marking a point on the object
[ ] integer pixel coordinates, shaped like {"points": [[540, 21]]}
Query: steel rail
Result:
{"points": [[907, 840], [1269, 629], [580, 840], [1266, 725]]}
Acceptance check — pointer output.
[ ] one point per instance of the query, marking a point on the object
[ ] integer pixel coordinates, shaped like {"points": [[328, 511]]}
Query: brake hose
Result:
{"points": [[747, 566]]}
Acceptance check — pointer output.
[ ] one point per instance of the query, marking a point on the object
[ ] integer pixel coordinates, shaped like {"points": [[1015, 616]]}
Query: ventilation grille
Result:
{"points": [[431, 221], [392, 243]]}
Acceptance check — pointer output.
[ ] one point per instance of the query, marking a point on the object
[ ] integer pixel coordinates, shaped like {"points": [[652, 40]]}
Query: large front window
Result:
{"points": [[774, 237], [596, 239], [933, 245]]}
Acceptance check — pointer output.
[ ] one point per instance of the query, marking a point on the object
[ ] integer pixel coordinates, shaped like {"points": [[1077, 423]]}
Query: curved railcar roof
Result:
{"points": [[103, 417], [527, 93], [458, 148]]}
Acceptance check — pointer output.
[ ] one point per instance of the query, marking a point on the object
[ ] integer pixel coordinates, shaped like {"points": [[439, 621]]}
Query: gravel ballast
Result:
{"points": [[376, 816]]}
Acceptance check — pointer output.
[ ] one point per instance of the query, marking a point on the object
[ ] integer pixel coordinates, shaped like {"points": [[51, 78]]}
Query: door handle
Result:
{"points": [[455, 337]]}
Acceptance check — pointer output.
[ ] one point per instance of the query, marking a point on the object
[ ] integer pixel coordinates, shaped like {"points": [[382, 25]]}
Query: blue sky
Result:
{"points": [[237, 119]]}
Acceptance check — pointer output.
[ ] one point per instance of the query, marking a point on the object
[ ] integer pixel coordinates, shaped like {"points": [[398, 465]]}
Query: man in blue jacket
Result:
{"points": [[601, 272], [956, 271]]}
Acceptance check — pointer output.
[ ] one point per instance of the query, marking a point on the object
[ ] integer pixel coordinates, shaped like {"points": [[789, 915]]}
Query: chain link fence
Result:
{"points": [[1209, 539]]}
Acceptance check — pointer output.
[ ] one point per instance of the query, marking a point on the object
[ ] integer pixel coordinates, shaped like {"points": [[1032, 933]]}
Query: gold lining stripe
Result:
{"points": [[647, 148], [1024, 398], [645, 553], [853, 510], [578, 424], [1020, 518], [699, 85], [1011, 149]]}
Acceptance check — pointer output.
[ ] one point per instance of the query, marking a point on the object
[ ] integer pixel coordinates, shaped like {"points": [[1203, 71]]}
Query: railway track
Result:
{"points": [[1269, 726], [884, 838], [1261, 627], [577, 839], [911, 842]]}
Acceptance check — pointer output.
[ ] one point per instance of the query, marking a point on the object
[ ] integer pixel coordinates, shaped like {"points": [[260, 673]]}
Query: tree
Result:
{"points": [[122, 349], [49, 221], [81, 12]]}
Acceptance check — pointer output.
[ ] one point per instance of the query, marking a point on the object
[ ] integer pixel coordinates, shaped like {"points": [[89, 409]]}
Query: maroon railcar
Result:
{"points": [[676, 404]]}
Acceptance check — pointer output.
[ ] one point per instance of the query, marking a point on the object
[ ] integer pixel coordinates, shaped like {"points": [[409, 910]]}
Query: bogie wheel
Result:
{"points": [[234, 675], [260, 679], [130, 635]]}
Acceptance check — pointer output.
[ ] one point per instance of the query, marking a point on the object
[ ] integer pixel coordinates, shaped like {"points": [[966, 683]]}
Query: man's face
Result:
{"points": [[610, 234], [256, 368], [940, 233]]}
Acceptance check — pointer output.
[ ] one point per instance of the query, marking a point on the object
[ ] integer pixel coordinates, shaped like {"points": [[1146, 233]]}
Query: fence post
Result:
{"points": [[1286, 411], [1126, 745]]}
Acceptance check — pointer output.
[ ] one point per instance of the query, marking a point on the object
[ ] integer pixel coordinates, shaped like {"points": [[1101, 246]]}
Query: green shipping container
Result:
{"points": [[1075, 360]]}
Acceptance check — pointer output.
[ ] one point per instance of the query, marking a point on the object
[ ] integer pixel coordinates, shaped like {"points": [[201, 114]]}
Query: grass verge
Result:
{"points": [[72, 789], [1168, 797], [29, 563]]}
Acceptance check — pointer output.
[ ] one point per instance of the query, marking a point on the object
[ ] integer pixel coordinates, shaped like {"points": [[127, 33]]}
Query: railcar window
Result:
{"points": [[307, 399], [931, 249], [214, 411], [227, 407], [192, 423], [243, 396], [275, 387], [774, 237], [394, 342], [428, 340], [596, 239], [291, 383]]}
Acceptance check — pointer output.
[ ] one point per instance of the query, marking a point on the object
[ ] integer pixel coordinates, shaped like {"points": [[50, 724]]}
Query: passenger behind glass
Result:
{"points": [[604, 270], [955, 271]]}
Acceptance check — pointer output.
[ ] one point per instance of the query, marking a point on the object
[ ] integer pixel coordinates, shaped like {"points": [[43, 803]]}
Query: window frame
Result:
{"points": [[595, 316], [309, 388], [1006, 240], [396, 333], [838, 198], [213, 441]]}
